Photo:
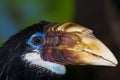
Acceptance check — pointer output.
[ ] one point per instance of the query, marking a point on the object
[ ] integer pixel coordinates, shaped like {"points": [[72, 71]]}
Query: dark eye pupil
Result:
{"points": [[37, 41]]}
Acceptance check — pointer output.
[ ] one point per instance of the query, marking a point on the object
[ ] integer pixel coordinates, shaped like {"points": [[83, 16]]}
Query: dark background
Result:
{"points": [[102, 16]]}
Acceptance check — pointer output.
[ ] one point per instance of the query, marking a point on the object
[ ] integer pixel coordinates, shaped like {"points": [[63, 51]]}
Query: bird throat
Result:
{"points": [[34, 59]]}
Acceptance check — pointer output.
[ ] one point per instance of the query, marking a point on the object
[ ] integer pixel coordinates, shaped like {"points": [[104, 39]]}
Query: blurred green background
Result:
{"points": [[102, 16], [18, 14]]}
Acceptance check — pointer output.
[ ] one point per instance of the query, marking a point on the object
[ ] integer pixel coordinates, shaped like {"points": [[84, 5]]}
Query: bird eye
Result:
{"points": [[37, 40]]}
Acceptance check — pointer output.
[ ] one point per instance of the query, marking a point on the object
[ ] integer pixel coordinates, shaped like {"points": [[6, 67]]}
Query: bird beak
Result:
{"points": [[73, 44]]}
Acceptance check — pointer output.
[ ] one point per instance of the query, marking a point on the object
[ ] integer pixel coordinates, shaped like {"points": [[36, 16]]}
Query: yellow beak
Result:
{"points": [[78, 46]]}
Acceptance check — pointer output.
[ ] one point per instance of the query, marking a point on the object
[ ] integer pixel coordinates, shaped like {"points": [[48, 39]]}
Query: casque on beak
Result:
{"points": [[69, 43]]}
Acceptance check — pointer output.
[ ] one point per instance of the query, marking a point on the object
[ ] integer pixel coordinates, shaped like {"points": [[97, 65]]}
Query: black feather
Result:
{"points": [[11, 65]]}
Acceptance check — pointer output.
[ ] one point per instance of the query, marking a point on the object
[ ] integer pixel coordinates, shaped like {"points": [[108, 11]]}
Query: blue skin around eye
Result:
{"points": [[30, 41]]}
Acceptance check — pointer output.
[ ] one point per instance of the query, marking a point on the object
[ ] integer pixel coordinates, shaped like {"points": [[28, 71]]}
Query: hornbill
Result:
{"points": [[41, 51]]}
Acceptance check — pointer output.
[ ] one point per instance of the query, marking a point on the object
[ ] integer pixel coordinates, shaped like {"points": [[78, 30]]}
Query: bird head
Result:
{"points": [[67, 44], [54, 45]]}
